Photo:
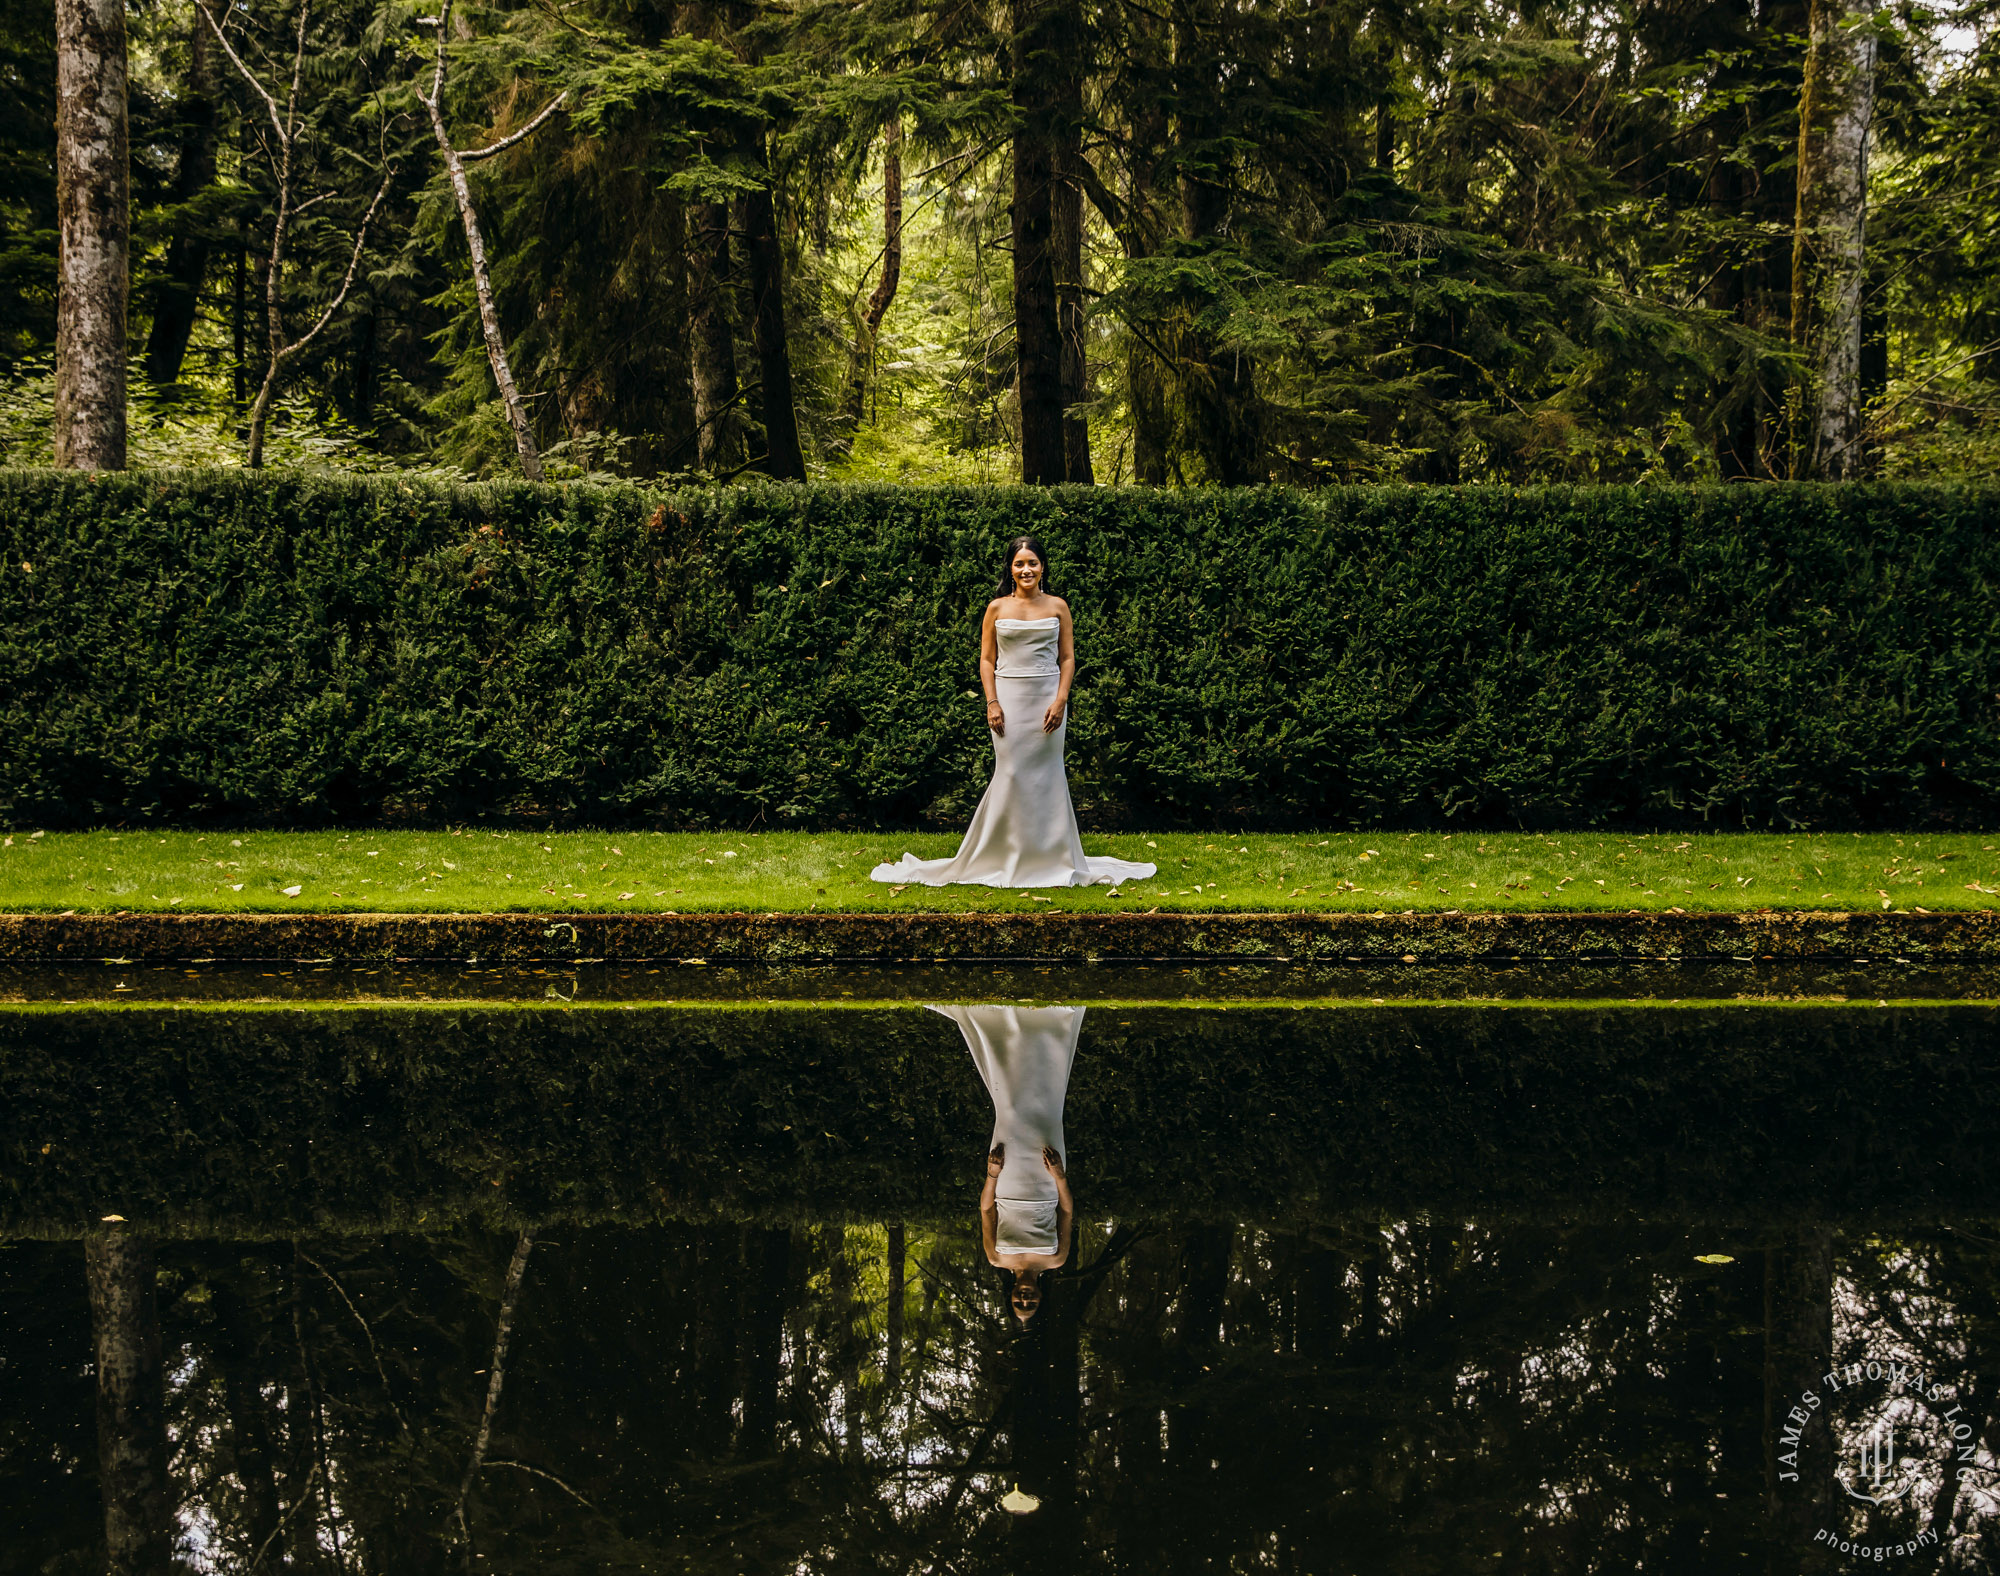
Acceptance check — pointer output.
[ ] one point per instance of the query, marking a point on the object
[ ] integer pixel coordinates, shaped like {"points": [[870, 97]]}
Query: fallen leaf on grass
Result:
{"points": [[290, 891], [626, 897]]}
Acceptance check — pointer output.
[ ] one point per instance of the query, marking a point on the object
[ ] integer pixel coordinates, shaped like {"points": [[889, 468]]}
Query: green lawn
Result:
{"points": [[474, 870]]}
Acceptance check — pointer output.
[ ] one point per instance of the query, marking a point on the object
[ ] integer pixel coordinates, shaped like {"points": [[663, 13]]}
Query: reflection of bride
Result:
{"points": [[1025, 1210], [1024, 832]]}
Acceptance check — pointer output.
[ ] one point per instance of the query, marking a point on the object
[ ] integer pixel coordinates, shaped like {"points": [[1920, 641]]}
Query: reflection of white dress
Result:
{"points": [[1024, 831], [1024, 1056]]}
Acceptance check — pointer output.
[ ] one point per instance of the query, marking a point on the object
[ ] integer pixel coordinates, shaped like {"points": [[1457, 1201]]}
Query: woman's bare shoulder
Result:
{"points": [[1062, 607]]}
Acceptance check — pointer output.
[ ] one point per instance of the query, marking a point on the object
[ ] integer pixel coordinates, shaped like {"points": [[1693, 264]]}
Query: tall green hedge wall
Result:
{"points": [[186, 647]]}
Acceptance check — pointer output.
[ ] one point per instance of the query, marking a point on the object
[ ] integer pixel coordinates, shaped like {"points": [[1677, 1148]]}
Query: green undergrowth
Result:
{"points": [[482, 871]]}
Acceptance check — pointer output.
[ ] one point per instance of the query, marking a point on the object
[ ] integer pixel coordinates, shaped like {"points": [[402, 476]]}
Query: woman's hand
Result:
{"points": [[996, 716], [995, 1159], [1054, 1162], [1053, 717]]}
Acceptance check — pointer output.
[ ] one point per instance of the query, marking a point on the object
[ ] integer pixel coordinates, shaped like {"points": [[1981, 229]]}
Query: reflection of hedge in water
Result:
{"points": [[274, 1120], [313, 648]]}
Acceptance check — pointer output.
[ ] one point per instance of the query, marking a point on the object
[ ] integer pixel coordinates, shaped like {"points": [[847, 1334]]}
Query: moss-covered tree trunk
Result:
{"points": [[712, 342], [93, 234]]}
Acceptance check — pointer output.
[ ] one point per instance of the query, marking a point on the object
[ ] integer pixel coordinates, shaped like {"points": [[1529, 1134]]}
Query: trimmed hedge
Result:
{"points": [[181, 647]]}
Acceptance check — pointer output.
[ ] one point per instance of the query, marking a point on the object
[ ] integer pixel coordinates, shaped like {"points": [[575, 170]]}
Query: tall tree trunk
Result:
{"points": [[1145, 379], [93, 234], [764, 265], [475, 246], [1829, 254], [489, 312], [1218, 381], [496, 1373], [1066, 237], [177, 299], [884, 293], [677, 420], [712, 343], [131, 1403], [1037, 317], [489, 316]]}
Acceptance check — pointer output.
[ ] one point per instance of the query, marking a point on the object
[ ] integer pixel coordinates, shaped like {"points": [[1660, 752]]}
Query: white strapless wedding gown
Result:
{"points": [[1024, 832], [1023, 1055]]}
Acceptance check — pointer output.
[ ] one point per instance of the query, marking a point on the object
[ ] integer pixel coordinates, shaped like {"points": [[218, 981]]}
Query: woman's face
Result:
{"points": [[1027, 1295], [1027, 569]]}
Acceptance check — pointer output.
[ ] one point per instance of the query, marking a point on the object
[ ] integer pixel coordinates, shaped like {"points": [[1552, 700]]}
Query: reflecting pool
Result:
{"points": [[721, 1288]]}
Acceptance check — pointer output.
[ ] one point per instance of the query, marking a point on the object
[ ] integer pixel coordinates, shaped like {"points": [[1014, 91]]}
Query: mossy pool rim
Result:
{"points": [[778, 938]]}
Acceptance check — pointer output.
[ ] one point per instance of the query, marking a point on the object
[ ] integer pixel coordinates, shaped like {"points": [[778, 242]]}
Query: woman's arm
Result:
{"points": [[989, 1208], [1052, 718], [1065, 1205], [989, 655]]}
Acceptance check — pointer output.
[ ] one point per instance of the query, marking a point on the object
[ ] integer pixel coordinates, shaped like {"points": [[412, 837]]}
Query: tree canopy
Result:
{"points": [[1206, 241]]}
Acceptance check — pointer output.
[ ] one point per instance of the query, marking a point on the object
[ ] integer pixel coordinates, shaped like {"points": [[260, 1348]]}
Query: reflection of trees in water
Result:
{"points": [[1413, 1397]]}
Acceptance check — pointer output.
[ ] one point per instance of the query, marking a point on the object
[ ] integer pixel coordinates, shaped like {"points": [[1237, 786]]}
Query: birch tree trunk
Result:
{"points": [[93, 234], [131, 1403], [489, 314], [1829, 257], [455, 161]]}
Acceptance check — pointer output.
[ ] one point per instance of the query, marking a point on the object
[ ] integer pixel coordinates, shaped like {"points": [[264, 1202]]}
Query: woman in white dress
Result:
{"points": [[1025, 1210], [1024, 831]]}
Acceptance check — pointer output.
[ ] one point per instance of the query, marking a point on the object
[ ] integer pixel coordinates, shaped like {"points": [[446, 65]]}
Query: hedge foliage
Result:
{"points": [[279, 648]]}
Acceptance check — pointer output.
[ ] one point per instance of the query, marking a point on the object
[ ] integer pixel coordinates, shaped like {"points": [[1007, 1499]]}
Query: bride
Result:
{"points": [[1024, 832]]}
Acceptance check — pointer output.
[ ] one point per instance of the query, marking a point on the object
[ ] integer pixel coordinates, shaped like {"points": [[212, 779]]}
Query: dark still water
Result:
{"points": [[716, 1290]]}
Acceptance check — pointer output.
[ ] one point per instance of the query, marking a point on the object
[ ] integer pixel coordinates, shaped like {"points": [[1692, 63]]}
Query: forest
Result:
{"points": [[1193, 242]]}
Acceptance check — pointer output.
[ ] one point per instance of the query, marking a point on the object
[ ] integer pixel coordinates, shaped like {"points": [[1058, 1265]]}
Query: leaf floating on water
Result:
{"points": [[1715, 1258], [1020, 1504]]}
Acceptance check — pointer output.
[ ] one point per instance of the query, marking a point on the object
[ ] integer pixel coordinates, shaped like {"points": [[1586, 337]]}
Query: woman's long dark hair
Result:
{"points": [[1007, 566]]}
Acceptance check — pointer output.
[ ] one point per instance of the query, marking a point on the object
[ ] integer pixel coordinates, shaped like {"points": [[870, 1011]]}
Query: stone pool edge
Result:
{"points": [[886, 938]]}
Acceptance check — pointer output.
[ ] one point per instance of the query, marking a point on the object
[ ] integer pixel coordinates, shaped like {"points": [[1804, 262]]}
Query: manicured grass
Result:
{"points": [[475, 871]]}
